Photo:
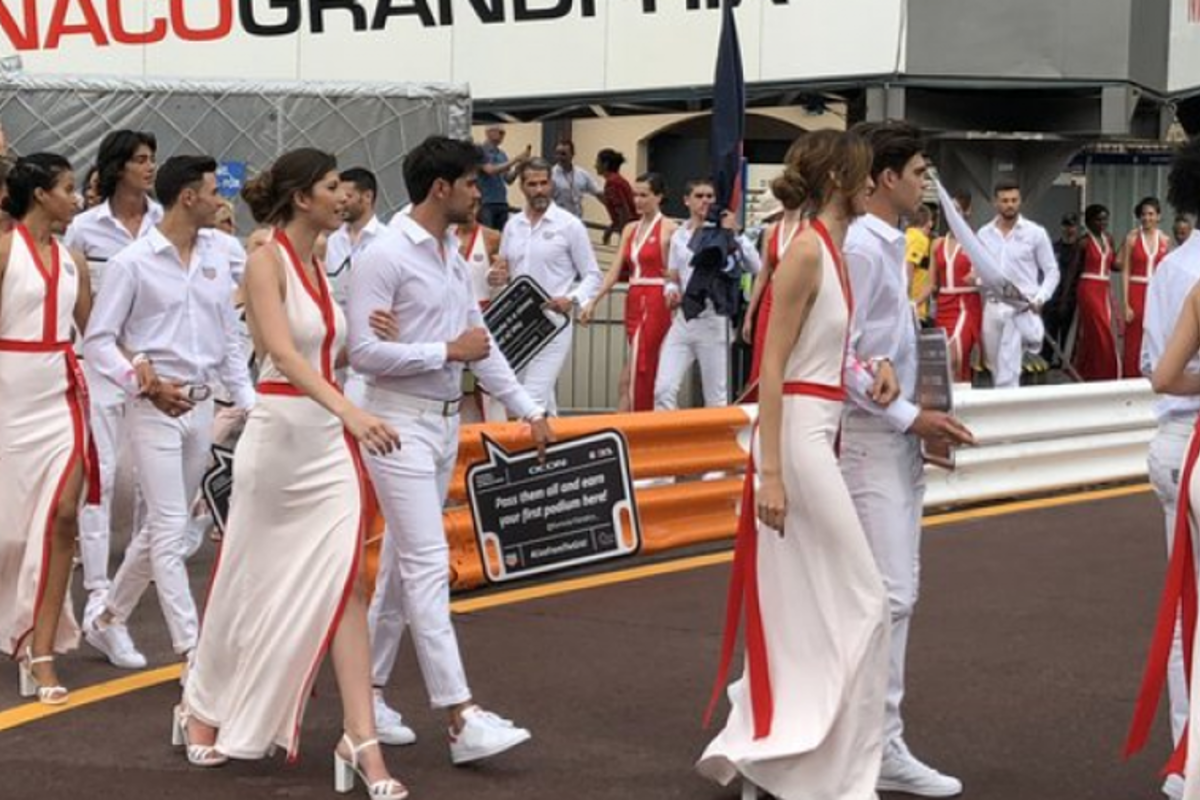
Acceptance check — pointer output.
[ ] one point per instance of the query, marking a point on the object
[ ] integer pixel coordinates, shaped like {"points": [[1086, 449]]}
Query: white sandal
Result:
{"points": [[198, 755], [345, 770], [31, 687]]}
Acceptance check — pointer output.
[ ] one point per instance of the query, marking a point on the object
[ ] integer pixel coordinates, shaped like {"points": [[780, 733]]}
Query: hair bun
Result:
{"points": [[259, 194], [791, 188]]}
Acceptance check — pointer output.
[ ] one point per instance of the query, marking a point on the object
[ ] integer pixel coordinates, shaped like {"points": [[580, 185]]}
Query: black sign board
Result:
{"points": [[935, 388], [218, 485], [519, 322], [577, 507]]}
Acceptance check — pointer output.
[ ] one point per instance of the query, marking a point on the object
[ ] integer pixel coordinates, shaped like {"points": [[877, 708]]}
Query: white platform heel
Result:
{"points": [[198, 755], [346, 770], [31, 687]]}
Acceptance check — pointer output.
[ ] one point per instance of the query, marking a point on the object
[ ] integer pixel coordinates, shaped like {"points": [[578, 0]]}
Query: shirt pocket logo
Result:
{"points": [[209, 272]]}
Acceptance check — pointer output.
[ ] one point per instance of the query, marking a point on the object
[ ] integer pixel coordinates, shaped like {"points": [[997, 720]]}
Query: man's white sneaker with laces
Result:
{"points": [[483, 735], [389, 725], [904, 772], [114, 642]]}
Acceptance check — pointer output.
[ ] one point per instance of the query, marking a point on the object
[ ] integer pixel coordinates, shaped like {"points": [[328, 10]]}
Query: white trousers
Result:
{"points": [[1168, 449], [540, 376], [171, 454], [107, 421], [1002, 344], [886, 478], [704, 339], [413, 585]]}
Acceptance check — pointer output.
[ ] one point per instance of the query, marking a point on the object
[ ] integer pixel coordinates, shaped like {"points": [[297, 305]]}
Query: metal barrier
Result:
{"points": [[689, 464]]}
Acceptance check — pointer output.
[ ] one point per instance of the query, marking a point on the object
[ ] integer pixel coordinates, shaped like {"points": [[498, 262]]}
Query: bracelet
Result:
{"points": [[535, 417]]}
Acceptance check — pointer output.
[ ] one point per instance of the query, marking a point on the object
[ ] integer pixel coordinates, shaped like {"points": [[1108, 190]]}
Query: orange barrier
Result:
{"points": [[679, 448]]}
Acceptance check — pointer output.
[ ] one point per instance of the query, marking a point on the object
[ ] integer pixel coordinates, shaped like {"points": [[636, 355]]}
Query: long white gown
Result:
{"points": [[817, 733], [43, 431], [290, 556]]}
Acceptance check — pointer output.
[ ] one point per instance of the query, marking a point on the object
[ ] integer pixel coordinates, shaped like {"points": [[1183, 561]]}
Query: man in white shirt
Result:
{"points": [[572, 183], [126, 168], [881, 447], [168, 304], [415, 384], [551, 247], [344, 247], [1169, 288], [1014, 259], [705, 338]]}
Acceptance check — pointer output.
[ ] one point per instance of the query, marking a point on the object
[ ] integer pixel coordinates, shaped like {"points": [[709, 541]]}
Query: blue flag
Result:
{"points": [[718, 257]]}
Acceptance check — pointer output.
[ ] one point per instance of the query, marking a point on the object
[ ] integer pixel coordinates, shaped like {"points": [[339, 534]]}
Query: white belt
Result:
{"points": [[648, 282], [1138, 279], [1090, 276], [388, 399], [959, 291]]}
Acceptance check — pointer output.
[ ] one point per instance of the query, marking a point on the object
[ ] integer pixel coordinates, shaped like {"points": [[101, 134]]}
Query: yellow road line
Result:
{"points": [[31, 712]]}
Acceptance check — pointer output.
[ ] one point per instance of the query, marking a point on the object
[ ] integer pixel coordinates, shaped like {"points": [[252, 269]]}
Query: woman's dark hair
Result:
{"points": [[893, 144], [438, 158], [609, 160], [116, 150], [28, 174], [178, 173], [1152, 202], [1092, 213], [655, 182], [271, 194], [965, 199], [1183, 183]]}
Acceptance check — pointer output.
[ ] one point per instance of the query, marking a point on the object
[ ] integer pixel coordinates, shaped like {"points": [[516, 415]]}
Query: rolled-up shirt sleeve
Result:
{"points": [[584, 258], [1043, 253], [107, 323], [371, 289], [750, 254], [498, 378]]}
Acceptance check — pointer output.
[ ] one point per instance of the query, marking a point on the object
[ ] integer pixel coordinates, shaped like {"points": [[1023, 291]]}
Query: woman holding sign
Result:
{"points": [[644, 248], [286, 587], [807, 715]]}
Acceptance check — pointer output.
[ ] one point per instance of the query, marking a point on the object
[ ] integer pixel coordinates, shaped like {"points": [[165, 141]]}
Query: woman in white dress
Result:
{"points": [[806, 721], [286, 586], [45, 300]]}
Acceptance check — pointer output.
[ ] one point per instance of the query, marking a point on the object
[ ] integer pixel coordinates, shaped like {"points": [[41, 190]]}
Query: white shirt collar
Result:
{"points": [[416, 233], [885, 231]]}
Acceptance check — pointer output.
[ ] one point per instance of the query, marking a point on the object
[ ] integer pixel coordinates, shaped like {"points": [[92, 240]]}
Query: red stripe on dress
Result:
{"points": [[743, 589], [1178, 602], [320, 296], [50, 276]]}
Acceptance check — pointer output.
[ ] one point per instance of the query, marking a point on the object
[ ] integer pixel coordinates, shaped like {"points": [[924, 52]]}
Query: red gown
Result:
{"points": [[647, 318], [959, 305], [777, 245], [1141, 268], [1096, 356]]}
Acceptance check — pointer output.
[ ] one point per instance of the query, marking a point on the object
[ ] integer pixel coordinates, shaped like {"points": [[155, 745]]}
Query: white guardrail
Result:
{"points": [[1039, 439]]}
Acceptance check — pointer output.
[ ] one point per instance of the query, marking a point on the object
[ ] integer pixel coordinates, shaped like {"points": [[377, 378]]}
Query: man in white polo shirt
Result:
{"points": [[414, 270], [165, 331], [551, 246]]}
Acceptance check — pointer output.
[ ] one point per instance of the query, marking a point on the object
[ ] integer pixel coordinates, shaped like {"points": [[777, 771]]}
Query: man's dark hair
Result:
{"points": [[1006, 185], [438, 158], [893, 143], [537, 164], [362, 178], [696, 183], [1183, 182], [181, 172], [116, 150]]}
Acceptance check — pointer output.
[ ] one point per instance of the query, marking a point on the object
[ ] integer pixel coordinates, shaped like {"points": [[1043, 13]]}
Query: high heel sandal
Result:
{"points": [[31, 687], [198, 755], [344, 772]]}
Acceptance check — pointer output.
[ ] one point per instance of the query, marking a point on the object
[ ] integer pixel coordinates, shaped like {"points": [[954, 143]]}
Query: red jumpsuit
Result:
{"points": [[1096, 356], [647, 318], [1143, 260], [959, 305]]}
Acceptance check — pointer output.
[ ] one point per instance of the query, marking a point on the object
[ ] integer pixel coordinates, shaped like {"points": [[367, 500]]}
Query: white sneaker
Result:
{"points": [[904, 772], [115, 643], [389, 725], [1173, 787], [483, 735]]}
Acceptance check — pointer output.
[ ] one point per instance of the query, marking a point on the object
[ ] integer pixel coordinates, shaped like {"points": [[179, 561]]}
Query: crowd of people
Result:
{"points": [[339, 347]]}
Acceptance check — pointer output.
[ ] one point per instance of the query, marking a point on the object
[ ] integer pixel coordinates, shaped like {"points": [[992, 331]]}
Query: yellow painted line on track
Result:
{"points": [[31, 712]]}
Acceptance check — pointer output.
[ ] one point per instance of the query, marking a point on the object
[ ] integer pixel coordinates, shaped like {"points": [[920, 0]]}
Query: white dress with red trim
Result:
{"points": [[291, 550], [807, 714], [43, 431]]}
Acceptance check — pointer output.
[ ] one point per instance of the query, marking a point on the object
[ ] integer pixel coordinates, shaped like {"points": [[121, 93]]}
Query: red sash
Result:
{"points": [[77, 396], [743, 588], [1178, 601]]}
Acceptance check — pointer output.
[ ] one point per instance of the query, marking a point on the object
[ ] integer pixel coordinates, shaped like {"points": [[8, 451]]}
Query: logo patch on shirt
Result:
{"points": [[209, 272], [548, 235]]}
